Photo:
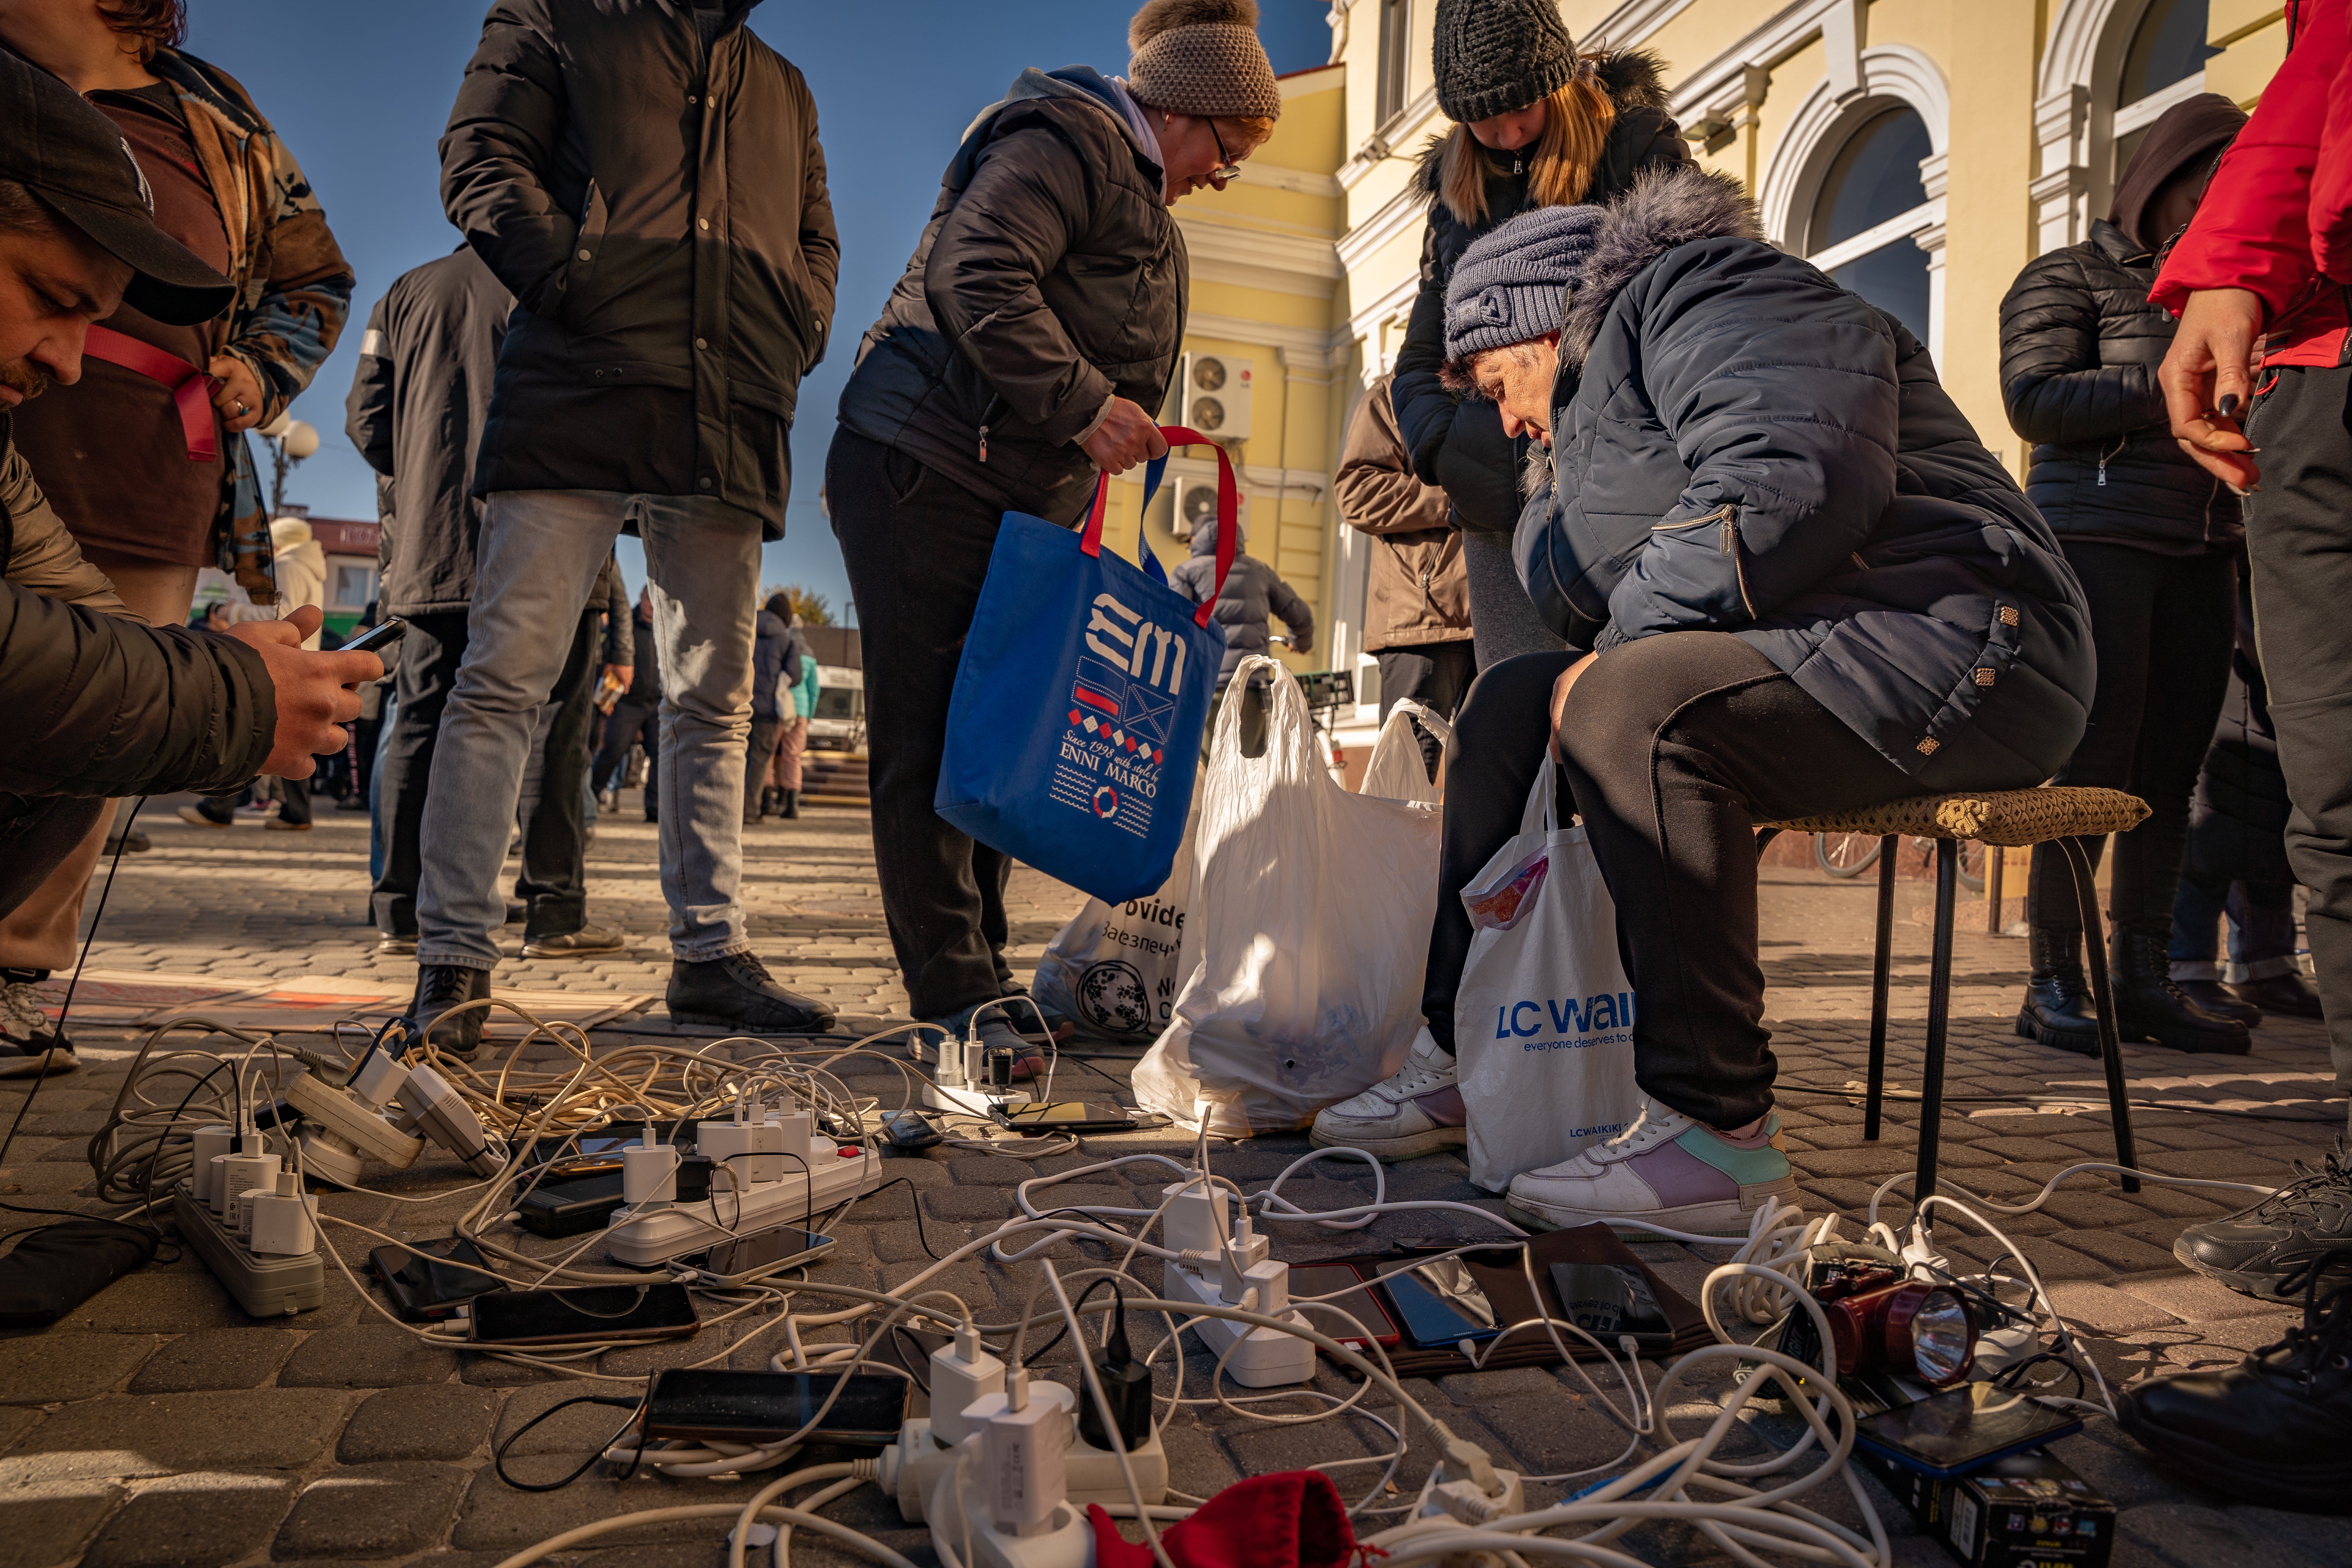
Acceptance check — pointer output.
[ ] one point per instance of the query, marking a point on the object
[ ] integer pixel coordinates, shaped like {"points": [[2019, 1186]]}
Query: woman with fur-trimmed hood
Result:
{"points": [[1536, 125], [1791, 581]]}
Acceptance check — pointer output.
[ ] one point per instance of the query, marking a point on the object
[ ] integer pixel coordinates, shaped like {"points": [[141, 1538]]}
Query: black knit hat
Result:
{"points": [[1495, 55]]}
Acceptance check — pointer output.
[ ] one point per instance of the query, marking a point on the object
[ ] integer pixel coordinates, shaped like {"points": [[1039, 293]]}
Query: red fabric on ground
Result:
{"points": [[1290, 1520]]}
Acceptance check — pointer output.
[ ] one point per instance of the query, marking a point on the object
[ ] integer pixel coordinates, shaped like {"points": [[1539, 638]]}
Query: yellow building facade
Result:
{"points": [[1920, 152]]}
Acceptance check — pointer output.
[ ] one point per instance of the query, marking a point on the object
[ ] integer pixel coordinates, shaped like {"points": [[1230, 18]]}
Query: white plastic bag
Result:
{"points": [[1543, 1022], [1308, 925], [1117, 970], [1398, 770]]}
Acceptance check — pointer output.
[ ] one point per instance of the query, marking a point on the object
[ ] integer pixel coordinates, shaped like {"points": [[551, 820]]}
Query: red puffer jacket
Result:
{"points": [[2277, 218]]}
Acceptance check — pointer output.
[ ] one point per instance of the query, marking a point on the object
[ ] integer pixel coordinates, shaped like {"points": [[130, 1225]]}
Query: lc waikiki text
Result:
{"points": [[1566, 1017]]}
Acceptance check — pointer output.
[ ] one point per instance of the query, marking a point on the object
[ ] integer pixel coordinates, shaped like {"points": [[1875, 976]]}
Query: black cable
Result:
{"points": [[1075, 1307], [920, 1234], [498, 1459]]}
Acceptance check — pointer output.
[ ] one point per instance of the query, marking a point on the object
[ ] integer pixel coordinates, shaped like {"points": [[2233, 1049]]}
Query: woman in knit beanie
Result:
{"points": [[1020, 357], [1536, 125]]}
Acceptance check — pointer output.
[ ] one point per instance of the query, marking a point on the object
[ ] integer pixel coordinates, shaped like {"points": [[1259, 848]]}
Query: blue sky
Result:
{"points": [[361, 89]]}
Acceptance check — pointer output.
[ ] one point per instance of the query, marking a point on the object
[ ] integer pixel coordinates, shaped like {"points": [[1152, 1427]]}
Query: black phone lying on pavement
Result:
{"points": [[709, 1404], [569, 1208], [583, 1313], [1607, 1300], [1341, 1285], [764, 1252], [1041, 1118], [430, 1280], [1952, 1433]]}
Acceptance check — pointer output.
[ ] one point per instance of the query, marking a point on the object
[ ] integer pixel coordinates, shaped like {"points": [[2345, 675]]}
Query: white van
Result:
{"points": [[839, 722]]}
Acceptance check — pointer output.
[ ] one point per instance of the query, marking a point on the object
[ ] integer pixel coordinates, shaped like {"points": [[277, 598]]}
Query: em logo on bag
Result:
{"points": [[1122, 705]]}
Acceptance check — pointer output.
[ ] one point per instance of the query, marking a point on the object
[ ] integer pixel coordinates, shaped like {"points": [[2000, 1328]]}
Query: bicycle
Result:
{"points": [[1849, 854]]}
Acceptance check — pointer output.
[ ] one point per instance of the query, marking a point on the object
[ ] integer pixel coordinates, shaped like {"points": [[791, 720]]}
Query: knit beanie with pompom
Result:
{"points": [[1201, 57], [1493, 57]]}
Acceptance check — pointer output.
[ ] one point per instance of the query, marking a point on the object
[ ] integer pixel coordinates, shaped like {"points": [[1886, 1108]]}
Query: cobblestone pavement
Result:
{"points": [[159, 1425]]}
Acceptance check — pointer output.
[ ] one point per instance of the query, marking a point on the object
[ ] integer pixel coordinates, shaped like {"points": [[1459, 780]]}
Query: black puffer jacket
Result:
{"points": [[1050, 276], [2079, 349], [1458, 443], [1253, 591], [1741, 446], [659, 207]]}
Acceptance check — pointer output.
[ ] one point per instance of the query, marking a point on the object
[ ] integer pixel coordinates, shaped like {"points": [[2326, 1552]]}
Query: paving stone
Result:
{"points": [[495, 1516], [365, 1356], [47, 1523], [50, 1368], [158, 1435], [2118, 1250], [370, 1510], [2192, 1535], [2103, 1309], [2192, 1298], [153, 1302], [193, 1520], [426, 1421], [215, 1358]]}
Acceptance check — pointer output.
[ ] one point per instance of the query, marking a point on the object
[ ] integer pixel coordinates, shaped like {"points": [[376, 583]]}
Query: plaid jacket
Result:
{"points": [[294, 288]]}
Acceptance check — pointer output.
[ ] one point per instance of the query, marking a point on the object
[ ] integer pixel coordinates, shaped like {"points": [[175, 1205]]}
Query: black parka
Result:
{"points": [[1741, 446], [1457, 443], [418, 405], [1254, 589], [1050, 278], [2080, 345], [659, 209]]}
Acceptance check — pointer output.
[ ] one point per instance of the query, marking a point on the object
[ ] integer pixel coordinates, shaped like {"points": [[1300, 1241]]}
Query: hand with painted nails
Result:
{"points": [[2208, 379]]}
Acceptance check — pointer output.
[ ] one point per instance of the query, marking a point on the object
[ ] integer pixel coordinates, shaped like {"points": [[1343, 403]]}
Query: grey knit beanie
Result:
{"points": [[1512, 285], [1201, 57], [1495, 55]]}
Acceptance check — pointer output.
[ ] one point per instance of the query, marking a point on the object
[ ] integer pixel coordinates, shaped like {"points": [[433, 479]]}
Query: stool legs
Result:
{"points": [[1939, 1012], [2111, 1050], [1878, 976]]}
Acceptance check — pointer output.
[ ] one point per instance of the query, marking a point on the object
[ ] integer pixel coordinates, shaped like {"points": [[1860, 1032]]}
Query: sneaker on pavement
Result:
{"points": [[194, 817], [998, 1031], [21, 1013], [2260, 1246], [2290, 996], [737, 993], [574, 944], [279, 825], [1416, 1112], [135, 841], [1666, 1170], [392, 944], [2275, 1429], [35, 1057], [440, 987]]}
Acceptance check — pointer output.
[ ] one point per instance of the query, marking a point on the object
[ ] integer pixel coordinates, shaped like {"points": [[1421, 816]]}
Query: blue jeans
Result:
{"points": [[538, 557], [2261, 930], [375, 783]]}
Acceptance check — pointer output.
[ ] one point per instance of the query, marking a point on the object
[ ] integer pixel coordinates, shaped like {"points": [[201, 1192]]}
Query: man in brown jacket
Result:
{"points": [[1417, 608]]}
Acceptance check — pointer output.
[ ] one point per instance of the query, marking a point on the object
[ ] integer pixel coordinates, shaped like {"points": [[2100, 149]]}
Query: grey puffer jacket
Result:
{"points": [[1050, 278], [1253, 591], [1741, 446], [2079, 349]]}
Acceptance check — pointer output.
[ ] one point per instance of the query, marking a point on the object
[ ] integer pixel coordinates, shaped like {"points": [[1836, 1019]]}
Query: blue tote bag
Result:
{"points": [[1075, 731]]}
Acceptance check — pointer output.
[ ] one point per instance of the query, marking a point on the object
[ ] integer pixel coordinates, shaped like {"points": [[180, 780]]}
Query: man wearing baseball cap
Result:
{"points": [[102, 705]]}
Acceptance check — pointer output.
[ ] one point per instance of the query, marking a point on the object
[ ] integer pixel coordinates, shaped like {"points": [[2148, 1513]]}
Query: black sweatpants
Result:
{"points": [[429, 652], [917, 548], [2163, 626], [1677, 746], [2299, 540], [1437, 675], [760, 753], [630, 718]]}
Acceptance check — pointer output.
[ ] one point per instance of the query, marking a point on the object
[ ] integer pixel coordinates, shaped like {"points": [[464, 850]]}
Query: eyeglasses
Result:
{"points": [[1228, 166]]}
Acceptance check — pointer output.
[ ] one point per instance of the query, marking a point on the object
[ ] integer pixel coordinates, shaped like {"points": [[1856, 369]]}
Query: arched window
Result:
{"points": [[2164, 63], [1871, 202]]}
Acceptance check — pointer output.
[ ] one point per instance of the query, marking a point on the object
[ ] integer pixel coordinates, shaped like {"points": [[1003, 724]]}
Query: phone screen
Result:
{"points": [[429, 1278], [586, 1313], [1440, 1306], [752, 1406], [1074, 1114], [1328, 1282], [769, 1249], [1606, 1300], [1957, 1430]]}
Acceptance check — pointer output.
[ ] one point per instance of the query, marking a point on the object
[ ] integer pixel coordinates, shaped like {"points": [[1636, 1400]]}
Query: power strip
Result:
{"points": [[912, 1467], [1260, 1358], [646, 1235], [263, 1286], [974, 1101]]}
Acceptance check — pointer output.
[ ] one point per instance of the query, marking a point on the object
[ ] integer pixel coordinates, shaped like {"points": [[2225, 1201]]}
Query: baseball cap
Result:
{"points": [[71, 157]]}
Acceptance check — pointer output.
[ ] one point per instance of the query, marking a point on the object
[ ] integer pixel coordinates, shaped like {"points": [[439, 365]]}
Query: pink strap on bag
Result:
{"points": [[191, 388], [1229, 500]]}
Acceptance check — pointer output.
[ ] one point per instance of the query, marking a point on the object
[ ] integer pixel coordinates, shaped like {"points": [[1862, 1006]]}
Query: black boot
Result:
{"points": [[2059, 1010], [2275, 1429], [2290, 994], [792, 807], [2149, 1007], [737, 993], [441, 986], [2215, 999]]}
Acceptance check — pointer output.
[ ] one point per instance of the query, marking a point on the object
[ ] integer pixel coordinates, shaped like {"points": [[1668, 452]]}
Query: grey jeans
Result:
{"points": [[538, 557]]}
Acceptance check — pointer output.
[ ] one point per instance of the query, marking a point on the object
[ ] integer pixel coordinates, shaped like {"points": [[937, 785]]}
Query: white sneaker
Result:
{"points": [[1665, 1169], [1418, 1111], [21, 1016], [27, 1046]]}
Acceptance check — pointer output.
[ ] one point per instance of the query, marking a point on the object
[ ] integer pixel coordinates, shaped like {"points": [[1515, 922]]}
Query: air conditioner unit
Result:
{"points": [[1215, 398], [1196, 503]]}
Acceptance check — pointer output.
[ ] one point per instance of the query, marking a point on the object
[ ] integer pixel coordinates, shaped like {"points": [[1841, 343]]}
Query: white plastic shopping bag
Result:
{"points": [[1543, 1023], [1116, 968], [1306, 929], [1398, 770]]}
